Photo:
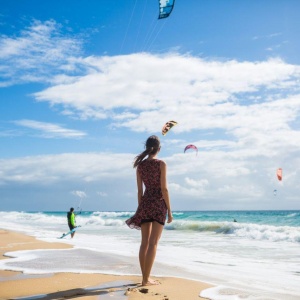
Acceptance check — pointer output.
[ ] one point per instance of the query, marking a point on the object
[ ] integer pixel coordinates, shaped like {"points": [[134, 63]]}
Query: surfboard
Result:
{"points": [[71, 231]]}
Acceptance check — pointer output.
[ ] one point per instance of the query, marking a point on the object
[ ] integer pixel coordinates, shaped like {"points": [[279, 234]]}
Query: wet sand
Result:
{"points": [[84, 286]]}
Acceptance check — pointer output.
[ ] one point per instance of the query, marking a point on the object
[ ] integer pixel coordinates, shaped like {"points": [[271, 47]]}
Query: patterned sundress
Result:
{"points": [[152, 207]]}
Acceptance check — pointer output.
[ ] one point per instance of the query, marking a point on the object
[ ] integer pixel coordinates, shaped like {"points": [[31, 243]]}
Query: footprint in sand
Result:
{"points": [[144, 291]]}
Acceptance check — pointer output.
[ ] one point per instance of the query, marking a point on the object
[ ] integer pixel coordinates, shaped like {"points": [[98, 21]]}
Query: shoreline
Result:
{"points": [[86, 286]]}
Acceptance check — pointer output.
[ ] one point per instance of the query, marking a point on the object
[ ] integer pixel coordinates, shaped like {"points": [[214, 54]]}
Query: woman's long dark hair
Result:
{"points": [[152, 146]]}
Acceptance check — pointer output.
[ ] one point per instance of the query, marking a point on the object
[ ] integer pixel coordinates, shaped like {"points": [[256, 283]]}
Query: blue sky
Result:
{"points": [[83, 84]]}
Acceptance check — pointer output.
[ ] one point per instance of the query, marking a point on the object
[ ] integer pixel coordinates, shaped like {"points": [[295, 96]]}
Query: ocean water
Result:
{"points": [[256, 257]]}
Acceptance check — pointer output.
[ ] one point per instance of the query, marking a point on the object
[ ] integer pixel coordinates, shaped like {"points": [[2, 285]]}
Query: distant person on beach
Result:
{"points": [[71, 220], [153, 204]]}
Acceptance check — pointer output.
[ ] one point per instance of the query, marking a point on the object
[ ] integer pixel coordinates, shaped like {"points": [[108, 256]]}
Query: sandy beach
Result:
{"points": [[83, 286]]}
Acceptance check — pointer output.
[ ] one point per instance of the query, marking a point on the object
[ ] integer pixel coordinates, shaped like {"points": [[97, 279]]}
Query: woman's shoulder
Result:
{"points": [[162, 162], [152, 161]]}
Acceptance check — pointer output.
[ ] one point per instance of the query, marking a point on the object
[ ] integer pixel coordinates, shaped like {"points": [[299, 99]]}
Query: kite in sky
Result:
{"points": [[279, 177], [279, 174], [165, 8], [168, 126], [191, 147]]}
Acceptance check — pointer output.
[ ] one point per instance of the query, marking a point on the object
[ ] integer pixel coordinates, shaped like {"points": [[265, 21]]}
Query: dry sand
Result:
{"points": [[84, 286]]}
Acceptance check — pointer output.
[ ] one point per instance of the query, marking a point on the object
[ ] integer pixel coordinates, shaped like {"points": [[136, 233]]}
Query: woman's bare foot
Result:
{"points": [[150, 282]]}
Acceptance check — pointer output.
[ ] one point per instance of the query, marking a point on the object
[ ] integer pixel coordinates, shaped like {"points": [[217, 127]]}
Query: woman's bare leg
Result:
{"points": [[155, 234], [145, 231]]}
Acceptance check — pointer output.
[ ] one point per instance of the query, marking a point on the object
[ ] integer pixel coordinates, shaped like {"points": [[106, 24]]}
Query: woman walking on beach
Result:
{"points": [[153, 204]]}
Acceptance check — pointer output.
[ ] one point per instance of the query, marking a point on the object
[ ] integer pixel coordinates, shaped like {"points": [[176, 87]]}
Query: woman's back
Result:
{"points": [[149, 171]]}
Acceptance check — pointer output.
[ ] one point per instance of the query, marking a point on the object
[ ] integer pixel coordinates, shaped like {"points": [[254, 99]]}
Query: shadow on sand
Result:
{"points": [[115, 288]]}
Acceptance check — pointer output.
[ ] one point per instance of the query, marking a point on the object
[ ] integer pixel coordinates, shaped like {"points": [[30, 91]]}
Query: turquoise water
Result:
{"points": [[255, 225], [275, 218], [222, 222], [264, 217]]}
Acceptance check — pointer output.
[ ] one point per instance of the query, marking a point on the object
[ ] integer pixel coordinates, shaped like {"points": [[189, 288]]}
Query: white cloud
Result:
{"points": [[147, 82], [194, 183], [269, 36], [89, 167], [49, 130], [215, 175], [141, 91], [102, 194], [80, 194], [37, 54]]}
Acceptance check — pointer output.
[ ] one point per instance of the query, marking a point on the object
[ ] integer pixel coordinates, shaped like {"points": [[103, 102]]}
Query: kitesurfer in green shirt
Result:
{"points": [[71, 220]]}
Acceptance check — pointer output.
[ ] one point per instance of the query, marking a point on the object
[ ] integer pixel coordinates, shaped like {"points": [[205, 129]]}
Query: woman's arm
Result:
{"points": [[164, 189], [139, 186]]}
